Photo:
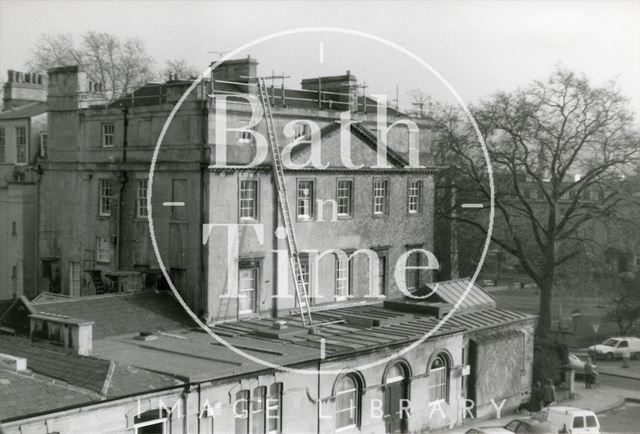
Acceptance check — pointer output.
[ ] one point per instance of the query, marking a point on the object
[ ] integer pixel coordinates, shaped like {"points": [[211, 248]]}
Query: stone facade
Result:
{"points": [[23, 131]]}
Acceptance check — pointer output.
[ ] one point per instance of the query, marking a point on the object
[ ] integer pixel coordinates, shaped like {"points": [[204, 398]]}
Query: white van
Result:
{"points": [[570, 419]]}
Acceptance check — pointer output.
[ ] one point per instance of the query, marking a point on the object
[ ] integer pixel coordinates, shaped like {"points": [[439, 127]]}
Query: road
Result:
{"points": [[625, 419]]}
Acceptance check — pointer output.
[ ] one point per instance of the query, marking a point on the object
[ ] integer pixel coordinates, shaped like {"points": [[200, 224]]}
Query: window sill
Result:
{"points": [[104, 216], [343, 297], [344, 216], [304, 219]]}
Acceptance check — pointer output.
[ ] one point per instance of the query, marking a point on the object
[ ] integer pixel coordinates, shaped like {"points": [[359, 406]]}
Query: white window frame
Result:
{"points": [[103, 250], [380, 195], [343, 284], [258, 411], [162, 421], [300, 130], [248, 199], [439, 380], [21, 145], [305, 265], [251, 293], [244, 137], [344, 197], [271, 407], [246, 420], [75, 278], [141, 198], [44, 142], [305, 203], [108, 130], [105, 196], [353, 404], [414, 203]]}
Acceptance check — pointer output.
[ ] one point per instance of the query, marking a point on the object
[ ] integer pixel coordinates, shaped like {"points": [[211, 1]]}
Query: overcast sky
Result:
{"points": [[478, 46]]}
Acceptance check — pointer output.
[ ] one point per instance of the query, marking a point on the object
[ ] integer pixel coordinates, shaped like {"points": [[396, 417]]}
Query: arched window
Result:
{"points": [[395, 374], [347, 402], [439, 378]]}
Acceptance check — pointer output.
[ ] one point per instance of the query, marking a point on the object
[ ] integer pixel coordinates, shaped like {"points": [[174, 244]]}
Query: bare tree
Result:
{"points": [[181, 68], [626, 305], [550, 144], [120, 65], [421, 101]]}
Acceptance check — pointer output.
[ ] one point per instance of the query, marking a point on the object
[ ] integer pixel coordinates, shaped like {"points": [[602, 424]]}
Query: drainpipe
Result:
{"points": [[185, 406], [37, 243], [318, 401], [204, 199], [275, 278], [122, 180]]}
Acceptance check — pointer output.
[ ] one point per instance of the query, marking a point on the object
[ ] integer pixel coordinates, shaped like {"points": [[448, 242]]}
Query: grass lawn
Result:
{"points": [[592, 309]]}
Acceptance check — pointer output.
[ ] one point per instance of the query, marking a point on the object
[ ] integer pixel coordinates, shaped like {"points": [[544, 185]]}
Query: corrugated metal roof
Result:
{"points": [[451, 292]]}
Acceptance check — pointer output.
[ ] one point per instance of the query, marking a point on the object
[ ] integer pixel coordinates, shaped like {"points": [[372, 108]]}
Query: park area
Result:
{"points": [[577, 330]]}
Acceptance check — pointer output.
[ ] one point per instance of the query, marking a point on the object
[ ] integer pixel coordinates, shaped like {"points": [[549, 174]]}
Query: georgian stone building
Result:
{"points": [[23, 139], [94, 235]]}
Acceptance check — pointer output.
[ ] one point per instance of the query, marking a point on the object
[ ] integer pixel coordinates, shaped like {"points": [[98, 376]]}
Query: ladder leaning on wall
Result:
{"points": [[292, 244]]}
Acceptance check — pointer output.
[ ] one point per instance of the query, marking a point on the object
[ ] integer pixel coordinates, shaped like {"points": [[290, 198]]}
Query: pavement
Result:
{"points": [[617, 368]]}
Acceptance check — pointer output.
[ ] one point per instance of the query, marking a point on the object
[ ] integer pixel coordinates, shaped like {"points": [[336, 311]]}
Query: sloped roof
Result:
{"points": [[451, 291], [24, 111], [119, 314], [23, 394], [486, 318], [92, 374]]}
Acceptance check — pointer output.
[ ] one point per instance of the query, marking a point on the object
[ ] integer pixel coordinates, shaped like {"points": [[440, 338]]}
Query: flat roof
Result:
{"points": [[193, 355]]}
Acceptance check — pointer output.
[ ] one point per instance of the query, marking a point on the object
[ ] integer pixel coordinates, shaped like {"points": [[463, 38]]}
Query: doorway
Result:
{"points": [[396, 391]]}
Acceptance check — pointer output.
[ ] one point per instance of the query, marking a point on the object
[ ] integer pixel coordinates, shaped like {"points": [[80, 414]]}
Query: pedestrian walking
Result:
{"points": [[589, 373], [536, 398], [549, 393]]}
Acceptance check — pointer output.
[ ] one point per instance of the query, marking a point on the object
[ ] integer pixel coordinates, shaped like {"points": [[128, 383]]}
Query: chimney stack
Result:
{"points": [[23, 88]]}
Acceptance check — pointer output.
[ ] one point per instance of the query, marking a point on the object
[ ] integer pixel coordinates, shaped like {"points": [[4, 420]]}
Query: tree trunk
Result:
{"points": [[544, 311]]}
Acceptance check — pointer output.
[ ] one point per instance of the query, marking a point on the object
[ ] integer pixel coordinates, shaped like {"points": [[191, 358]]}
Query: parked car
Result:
{"points": [[616, 347], [569, 419], [577, 363], [520, 426]]}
